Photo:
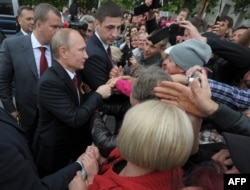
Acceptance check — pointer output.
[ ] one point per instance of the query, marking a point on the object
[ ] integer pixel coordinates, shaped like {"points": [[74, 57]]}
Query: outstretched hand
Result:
{"points": [[195, 98]]}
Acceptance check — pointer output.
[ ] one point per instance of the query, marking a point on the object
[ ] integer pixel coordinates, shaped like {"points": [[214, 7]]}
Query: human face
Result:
{"points": [[90, 30], [221, 28], [133, 30], [109, 29], [76, 53], [169, 66], [26, 20], [182, 16], [237, 34], [141, 41], [47, 29], [142, 29], [134, 42], [151, 50]]}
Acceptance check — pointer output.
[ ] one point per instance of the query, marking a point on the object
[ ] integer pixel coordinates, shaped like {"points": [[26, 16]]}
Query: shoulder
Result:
{"points": [[17, 41]]}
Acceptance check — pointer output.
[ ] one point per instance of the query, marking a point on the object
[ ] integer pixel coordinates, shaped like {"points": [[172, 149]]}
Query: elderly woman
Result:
{"points": [[154, 142]]}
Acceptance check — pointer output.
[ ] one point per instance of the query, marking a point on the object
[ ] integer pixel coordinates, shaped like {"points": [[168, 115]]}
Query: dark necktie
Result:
{"points": [[110, 55], [43, 61], [76, 87], [75, 82]]}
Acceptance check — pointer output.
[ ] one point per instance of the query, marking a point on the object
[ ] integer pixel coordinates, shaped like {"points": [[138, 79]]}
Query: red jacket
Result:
{"points": [[166, 180]]}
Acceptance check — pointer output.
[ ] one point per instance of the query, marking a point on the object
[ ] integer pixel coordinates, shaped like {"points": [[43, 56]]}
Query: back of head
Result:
{"points": [[189, 53], [199, 23], [87, 19], [108, 9], [148, 79], [156, 136], [42, 10]]}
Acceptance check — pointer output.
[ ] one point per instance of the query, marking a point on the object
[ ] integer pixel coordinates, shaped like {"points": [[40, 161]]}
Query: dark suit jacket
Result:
{"points": [[98, 65], [17, 60], [62, 133], [18, 170]]}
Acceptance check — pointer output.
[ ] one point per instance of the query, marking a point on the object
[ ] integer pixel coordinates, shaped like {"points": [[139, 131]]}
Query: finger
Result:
{"points": [[191, 71], [222, 167], [174, 86], [195, 86], [228, 162], [233, 170], [203, 79], [169, 102], [126, 77], [165, 94]]}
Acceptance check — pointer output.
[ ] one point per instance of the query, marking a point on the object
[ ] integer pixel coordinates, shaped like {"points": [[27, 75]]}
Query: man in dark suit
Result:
{"points": [[99, 64], [62, 133], [18, 170], [107, 26], [20, 60], [25, 20]]}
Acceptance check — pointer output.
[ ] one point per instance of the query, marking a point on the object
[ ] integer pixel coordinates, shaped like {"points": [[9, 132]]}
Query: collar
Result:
{"points": [[103, 44], [36, 43], [71, 75], [24, 33]]}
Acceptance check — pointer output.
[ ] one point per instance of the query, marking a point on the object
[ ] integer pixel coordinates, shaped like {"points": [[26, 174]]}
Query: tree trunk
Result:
{"points": [[204, 4]]}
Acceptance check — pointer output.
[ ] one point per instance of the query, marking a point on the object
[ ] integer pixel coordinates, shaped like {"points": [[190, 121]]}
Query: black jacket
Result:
{"points": [[236, 59], [229, 120], [18, 170]]}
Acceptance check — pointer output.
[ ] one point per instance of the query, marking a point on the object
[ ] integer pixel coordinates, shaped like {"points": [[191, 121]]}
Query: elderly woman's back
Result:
{"points": [[155, 140]]}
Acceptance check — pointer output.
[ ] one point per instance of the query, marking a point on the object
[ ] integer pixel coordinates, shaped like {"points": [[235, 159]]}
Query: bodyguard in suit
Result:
{"points": [[99, 64], [18, 170], [20, 60], [25, 20], [64, 108], [107, 26]]}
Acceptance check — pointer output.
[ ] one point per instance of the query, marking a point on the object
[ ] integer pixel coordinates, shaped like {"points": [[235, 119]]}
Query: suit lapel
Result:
{"points": [[99, 43], [63, 75], [28, 54]]}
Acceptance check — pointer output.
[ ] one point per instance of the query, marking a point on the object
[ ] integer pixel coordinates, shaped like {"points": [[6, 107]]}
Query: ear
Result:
{"points": [[38, 24], [63, 51], [19, 19], [97, 23], [133, 101]]}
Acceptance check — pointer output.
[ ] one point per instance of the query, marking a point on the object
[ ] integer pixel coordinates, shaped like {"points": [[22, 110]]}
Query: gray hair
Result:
{"points": [[42, 10], [87, 19], [148, 79]]}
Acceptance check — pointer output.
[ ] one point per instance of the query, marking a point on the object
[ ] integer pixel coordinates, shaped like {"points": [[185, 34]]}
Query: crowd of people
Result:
{"points": [[126, 102]]}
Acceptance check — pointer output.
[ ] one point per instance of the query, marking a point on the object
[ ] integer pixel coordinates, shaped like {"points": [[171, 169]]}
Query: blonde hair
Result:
{"points": [[155, 135], [116, 54]]}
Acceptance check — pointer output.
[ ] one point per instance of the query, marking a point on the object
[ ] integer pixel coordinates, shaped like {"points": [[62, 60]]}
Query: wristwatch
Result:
{"points": [[84, 173]]}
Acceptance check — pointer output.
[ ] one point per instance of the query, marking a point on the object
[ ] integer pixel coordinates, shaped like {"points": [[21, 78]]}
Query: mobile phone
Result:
{"points": [[176, 30]]}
